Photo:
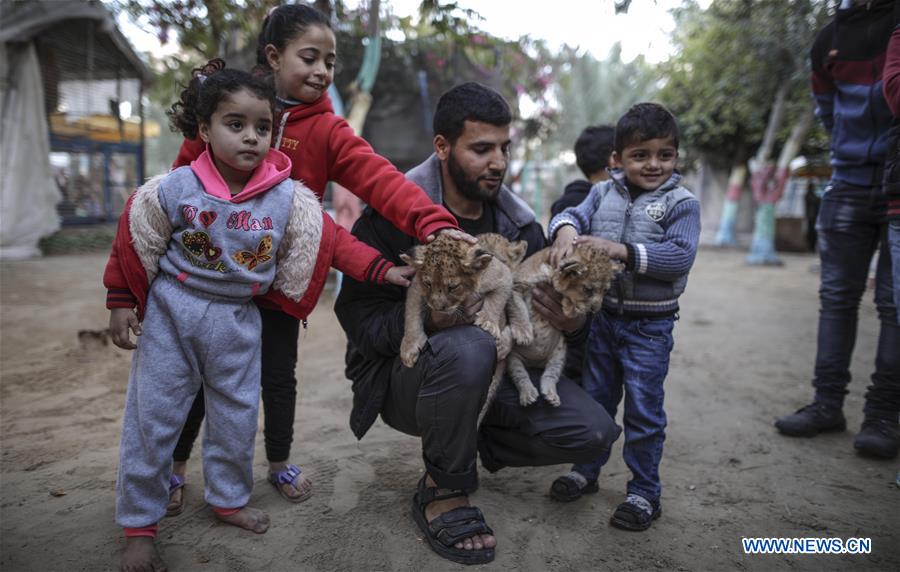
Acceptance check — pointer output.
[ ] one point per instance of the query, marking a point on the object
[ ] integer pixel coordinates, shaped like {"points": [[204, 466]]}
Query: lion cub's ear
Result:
{"points": [[477, 259], [517, 251], [617, 266], [414, 258], [570, 268]]}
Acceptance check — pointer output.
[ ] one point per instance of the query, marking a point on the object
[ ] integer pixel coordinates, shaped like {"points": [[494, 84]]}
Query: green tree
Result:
{"points": [[591, 91], [739, 88]]}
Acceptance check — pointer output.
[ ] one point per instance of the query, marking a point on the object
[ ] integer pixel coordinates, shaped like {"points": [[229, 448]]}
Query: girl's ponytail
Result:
{"points": [[186, 113]]}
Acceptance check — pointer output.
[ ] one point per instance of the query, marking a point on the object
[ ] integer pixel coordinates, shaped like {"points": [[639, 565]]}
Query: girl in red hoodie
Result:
{"points": [[297, 46], [205, 240]]}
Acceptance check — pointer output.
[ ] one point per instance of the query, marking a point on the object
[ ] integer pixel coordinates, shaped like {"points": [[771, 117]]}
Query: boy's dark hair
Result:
{"points": [[283, 24], [469, 102], [209, 85], [593, 148], [645, 121]]}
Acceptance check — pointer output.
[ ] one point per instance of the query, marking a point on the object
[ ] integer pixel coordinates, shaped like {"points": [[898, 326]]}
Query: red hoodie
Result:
{"points": [[126, 278]]}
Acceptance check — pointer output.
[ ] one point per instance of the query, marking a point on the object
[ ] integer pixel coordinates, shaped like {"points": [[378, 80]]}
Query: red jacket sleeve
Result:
{"points": [[355, 165], [891, 75], [357, 259], [124, 277], [190, 149], [118, 293]]}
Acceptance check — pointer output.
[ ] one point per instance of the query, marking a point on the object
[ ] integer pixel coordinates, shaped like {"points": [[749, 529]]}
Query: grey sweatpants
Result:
{"points": [[189, 339]]}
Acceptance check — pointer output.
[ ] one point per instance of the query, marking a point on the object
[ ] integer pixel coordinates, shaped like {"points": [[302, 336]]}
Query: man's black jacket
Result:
{"points": [[372, 316]]}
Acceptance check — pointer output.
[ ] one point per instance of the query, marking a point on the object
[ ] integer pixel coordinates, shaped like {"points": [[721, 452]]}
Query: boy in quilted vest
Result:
{"points": [[643, 217]]}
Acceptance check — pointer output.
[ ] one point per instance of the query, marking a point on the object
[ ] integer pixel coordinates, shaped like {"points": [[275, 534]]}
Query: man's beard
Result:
{"points": [[470, 188]]}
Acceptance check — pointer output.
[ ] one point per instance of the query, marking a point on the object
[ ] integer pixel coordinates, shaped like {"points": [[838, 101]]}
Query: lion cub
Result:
{"points": [[447, 272], [583, 279]]}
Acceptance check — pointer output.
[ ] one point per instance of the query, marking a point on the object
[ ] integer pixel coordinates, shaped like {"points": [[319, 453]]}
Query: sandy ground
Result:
{"points": [[744, 351]]}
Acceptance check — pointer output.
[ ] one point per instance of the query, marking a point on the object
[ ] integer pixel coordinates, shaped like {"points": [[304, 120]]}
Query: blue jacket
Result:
{"points": [[660, 229], [847, 64]]}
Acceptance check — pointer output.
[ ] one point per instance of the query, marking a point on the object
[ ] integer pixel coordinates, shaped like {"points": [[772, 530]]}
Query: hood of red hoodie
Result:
{"points": [[275, 168]]}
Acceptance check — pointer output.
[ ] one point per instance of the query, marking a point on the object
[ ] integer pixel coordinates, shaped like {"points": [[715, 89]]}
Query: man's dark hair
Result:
{"points": [[645, 121], [469, 102], [593, 148]]}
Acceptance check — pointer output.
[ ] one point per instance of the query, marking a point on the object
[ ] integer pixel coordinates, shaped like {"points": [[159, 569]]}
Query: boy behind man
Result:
{"points": [[645, 218], [593, 150]]}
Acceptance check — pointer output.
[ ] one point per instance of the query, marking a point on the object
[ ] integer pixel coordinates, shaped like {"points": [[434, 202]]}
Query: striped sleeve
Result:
{"points": [[577, 216], [891, 77], [823, 88], [120, 298], [378, 269], [672, 257]]}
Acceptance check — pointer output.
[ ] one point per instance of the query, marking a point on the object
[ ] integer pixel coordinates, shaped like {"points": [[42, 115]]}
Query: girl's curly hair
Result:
{"points": [[209, 85]]}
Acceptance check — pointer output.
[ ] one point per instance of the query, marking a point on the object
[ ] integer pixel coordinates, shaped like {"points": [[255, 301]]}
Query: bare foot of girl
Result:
{"points": [[248, 518], [141, 556]]}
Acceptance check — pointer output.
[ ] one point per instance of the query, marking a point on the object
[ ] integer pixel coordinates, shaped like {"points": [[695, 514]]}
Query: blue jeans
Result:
{"points": [[631, 356], [894, 241], [851, 227]]}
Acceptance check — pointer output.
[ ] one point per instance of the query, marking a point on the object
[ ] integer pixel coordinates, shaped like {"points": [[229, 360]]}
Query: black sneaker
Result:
{"points": [[811, 420], [878, 438]]}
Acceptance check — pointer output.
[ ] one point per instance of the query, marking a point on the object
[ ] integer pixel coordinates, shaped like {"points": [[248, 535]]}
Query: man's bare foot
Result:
{"points": [[298, 490], [176, 497], [248, 518], [439, 507], [141, 556]]}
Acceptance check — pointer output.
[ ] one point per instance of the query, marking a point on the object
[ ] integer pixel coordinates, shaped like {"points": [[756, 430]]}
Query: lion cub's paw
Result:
{"points": [[489, 326], [527, 395], [410, 349], [548, 390], [522, 333]]}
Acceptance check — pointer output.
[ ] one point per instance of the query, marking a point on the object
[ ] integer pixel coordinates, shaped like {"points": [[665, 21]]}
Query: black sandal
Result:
{"points": [[567, 489], [451, 527], [631, 517]]}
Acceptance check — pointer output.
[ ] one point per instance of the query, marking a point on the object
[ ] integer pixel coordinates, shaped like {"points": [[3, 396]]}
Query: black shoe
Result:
{"points": [[811, 420], [636, 513], [568, 488], [878, 438]]}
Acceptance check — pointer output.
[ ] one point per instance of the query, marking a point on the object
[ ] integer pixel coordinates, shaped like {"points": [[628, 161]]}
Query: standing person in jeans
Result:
{"points": [[892, 165], [847, 63], [438, 400]]}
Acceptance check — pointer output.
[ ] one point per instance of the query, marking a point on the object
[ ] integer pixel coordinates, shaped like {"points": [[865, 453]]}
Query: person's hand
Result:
{"points": [[453, 233], [547, 302], [563, 245], [613, 249], [120, 321], [399, 275], [465, 314]]}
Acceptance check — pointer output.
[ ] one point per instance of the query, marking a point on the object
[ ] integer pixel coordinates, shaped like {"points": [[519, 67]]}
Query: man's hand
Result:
{"points": [[399, 275], [120, 321], [547, 302], [613, 249], [465, 314], [563, 245], [454, 234]]}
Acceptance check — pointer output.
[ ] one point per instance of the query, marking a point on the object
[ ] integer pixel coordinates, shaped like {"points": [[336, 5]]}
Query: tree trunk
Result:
{"points": [[726, 234], [361, 100], [762, 248]]}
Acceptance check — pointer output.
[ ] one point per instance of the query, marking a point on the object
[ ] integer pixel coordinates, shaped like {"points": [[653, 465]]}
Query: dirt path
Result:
{"points": [[743, 355]]}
